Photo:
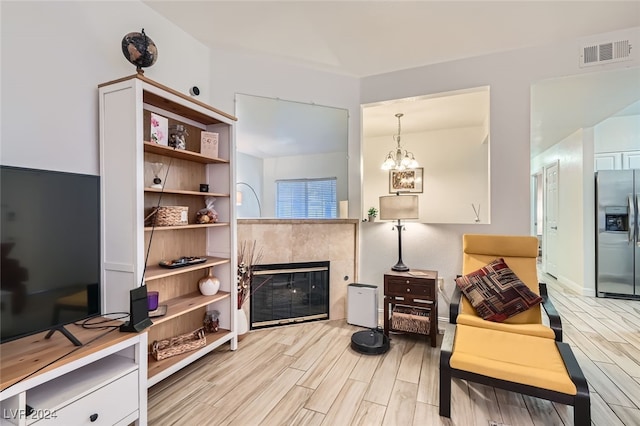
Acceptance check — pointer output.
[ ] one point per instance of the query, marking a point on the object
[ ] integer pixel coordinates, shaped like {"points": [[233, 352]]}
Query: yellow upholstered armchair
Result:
{"points": [[520, 354], [520, 253]]}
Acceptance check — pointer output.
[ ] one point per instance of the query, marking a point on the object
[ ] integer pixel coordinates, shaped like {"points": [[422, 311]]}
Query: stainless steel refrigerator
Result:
{"points": [[617, 239]]}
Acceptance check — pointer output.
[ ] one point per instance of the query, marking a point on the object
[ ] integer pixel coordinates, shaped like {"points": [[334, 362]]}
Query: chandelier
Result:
{"points": [[400, 159]]}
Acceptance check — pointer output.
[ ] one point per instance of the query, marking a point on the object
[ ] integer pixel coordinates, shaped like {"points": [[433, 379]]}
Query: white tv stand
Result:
{"points": [[103, 382]]}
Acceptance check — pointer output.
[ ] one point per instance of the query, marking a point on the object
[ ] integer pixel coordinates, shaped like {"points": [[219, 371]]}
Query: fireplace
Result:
{"points": [[286, 293]]}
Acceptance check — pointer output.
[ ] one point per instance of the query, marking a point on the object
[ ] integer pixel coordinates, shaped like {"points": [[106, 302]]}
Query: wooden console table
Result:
{"points": [[102, 382], [414, 289]]}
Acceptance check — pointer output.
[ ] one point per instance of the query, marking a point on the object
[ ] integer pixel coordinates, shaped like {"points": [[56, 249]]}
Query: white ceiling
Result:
{"points": [[362, 38]]}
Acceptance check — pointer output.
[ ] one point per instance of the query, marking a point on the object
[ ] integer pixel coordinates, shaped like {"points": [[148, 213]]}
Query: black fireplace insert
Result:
{"points": [[286, 293]]}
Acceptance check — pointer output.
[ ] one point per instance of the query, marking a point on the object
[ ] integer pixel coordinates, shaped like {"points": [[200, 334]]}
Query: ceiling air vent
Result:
{"points": [[604, 53]]}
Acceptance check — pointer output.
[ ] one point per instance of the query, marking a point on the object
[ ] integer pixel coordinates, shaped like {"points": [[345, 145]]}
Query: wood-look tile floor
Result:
{"points": [[307, 374]]}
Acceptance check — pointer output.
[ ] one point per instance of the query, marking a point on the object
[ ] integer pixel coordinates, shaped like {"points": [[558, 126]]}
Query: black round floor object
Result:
{"points": [[370, 342]]}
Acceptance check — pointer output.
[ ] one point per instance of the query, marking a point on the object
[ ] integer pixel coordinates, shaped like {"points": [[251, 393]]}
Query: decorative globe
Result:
{"points": [[139, 49]]}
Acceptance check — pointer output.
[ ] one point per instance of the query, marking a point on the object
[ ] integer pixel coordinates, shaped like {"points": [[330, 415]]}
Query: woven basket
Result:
{"points": [[172, 216], [410, 319], [163, 349]]}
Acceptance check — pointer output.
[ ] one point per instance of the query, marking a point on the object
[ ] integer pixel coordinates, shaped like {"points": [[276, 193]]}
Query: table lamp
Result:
{"points": [[399, 207]]}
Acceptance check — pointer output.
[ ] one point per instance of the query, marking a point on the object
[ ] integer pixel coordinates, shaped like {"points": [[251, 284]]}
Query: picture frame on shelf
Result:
{"points": [[409, 181], [159, 129], [209, 144]]}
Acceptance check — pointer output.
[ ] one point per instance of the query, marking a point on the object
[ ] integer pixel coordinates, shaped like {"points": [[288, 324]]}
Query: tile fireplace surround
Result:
{"points": [[307, 240]]}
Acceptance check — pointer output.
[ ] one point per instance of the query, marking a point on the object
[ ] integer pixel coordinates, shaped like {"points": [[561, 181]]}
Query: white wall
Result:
{"points": [[439, 247], [249, 170], [509, 75], [329, 165], [54, 55], [235, 72], [618, 134], [589, 217], [262, 174], [609, 135], [570, 157], [452, 161]]}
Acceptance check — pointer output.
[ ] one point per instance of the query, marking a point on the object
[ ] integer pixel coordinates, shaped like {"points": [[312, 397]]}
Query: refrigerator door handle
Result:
{"points": [[637, 221], [632, 219]]}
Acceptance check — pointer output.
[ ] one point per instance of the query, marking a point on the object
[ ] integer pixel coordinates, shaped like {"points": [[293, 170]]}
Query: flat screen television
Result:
{"points": [[50, 243]]}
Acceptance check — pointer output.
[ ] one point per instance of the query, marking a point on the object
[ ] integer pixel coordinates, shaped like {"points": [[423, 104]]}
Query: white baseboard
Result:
{"points": [[576, 287], [588, 292]]}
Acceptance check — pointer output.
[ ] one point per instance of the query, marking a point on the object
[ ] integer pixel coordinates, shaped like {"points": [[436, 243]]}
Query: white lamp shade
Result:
{"points": [[394, 207]]}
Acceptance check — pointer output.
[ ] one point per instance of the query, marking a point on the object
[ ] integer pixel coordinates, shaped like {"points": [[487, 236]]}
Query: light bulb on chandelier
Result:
{"points": [[400, 159]]}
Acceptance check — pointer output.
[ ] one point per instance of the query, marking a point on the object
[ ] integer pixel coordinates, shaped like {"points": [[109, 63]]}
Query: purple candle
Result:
{"points": [[152, 300]]}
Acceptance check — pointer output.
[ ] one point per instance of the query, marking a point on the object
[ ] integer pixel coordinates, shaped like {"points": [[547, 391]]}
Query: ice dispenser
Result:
{"points": [[616, 219]]}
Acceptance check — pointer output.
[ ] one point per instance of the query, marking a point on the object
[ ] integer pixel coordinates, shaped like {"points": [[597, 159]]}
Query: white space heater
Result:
{"points": [[362, 305]]}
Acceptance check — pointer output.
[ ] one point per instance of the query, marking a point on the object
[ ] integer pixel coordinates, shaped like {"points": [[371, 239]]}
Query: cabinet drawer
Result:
{"points": [[108, 405], [409, 287]]}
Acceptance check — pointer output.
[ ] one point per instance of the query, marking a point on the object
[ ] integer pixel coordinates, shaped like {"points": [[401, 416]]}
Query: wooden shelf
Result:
{"points": [[187, 303], [155, 272], [182, 192], [23, 356], [190, 226], [131, 198], [155, 368], [182, 154]]}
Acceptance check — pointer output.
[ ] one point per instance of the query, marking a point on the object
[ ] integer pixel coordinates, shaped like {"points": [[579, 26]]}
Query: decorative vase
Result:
{"points": [[242, 324], [209, 284]]}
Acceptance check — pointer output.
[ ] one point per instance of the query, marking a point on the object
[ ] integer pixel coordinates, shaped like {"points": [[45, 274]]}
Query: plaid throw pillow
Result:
{"points": [[496, 292]]}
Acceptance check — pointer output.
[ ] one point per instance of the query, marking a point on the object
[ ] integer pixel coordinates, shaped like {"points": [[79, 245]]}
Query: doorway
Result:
{"points": [[550, 227], [537, 204]]}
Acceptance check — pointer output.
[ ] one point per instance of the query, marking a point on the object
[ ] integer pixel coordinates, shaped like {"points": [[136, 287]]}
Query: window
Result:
{"points": [[306, 198]]}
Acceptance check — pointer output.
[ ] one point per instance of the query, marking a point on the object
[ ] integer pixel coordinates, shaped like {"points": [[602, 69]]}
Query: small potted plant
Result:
{"points": [[372, 212]]}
